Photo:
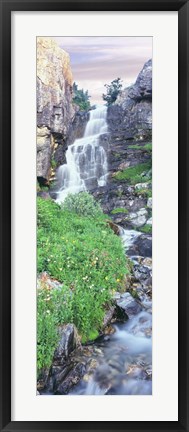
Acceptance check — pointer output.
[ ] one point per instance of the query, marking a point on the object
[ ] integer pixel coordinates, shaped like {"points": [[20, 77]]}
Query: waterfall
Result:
{"points": [[86, 160]]}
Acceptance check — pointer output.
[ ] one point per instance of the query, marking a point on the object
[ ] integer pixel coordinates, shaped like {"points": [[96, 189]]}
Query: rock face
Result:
{"points": [[136, 104], [55, 111], [129, 145]]}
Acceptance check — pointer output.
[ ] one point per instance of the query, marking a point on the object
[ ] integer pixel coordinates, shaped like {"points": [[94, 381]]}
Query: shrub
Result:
{"points": [[82, 204], [81, 98], [113, 89]]}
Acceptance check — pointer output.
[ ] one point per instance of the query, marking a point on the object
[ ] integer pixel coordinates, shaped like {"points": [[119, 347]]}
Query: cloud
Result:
{"points": [[98, 60]]}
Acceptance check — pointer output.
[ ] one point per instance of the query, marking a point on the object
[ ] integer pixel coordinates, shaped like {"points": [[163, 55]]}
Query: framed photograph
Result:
{"points": [[94, 154]]}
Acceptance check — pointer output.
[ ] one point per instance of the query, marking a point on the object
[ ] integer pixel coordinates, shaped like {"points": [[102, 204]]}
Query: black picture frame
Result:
{"points": [[6, 7]]}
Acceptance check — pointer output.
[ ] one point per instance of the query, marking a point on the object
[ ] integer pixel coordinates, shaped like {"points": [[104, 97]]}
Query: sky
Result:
{"points": [[96, 61]]}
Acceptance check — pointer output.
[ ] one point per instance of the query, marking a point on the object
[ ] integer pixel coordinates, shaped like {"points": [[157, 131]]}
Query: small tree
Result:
{"points": [[81, 98], [113, 89]]}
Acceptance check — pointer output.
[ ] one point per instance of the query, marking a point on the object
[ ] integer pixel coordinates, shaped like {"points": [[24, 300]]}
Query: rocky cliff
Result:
{"points": [[127, 194], [55, 110], [134, 105]]}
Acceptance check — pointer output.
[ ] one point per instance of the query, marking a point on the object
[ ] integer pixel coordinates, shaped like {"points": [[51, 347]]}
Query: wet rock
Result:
{"points": [[142, 274], [137, 372], [149, 221], [68, 342], [130, 306], [108, 316], [141, 246], [59, 373], [73, 377]]}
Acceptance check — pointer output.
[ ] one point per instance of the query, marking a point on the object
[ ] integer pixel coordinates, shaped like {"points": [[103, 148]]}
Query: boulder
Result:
{"points": [[139, 218], [142, 246], [68, 342], [127, 303]]}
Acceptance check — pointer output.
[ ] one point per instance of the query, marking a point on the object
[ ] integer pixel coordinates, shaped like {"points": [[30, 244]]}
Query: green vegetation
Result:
{"points": [[119, 210], [53, 164], [148, 147], [146, 229], [77, 247], [112, 91], [135, 174], [83, 204], [41, 188], [145, 193], [135, 147], [81, 98]]}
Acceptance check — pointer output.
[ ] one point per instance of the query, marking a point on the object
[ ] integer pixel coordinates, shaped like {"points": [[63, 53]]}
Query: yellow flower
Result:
{"points": [[117, 280], [106, 278]]}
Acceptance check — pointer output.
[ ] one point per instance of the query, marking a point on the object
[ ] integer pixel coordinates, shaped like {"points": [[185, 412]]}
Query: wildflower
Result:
{"points": [[117, 280]]}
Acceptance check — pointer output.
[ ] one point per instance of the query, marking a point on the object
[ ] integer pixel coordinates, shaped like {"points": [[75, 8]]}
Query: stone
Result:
{"points": [[141, 186], [108, 316], [129, 305], [139, 218], [149, 221], [142, 246], [136, 103], [114, 227], [68, 342], [149, 203], [71, 379]]}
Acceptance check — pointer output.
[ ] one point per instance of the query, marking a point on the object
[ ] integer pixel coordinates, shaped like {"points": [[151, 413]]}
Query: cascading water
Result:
{"points": [[86, 160]]}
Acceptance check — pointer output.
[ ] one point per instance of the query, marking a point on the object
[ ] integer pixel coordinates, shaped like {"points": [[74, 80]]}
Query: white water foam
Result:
{"points": [[86, 160]]}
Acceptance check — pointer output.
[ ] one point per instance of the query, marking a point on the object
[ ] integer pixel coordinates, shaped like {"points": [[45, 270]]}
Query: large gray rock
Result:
{"points": [[55, 111], [142, 89], [138, 219], [142, 246], [134, 106], [130, 128], [68, 342], [128, 304]]}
